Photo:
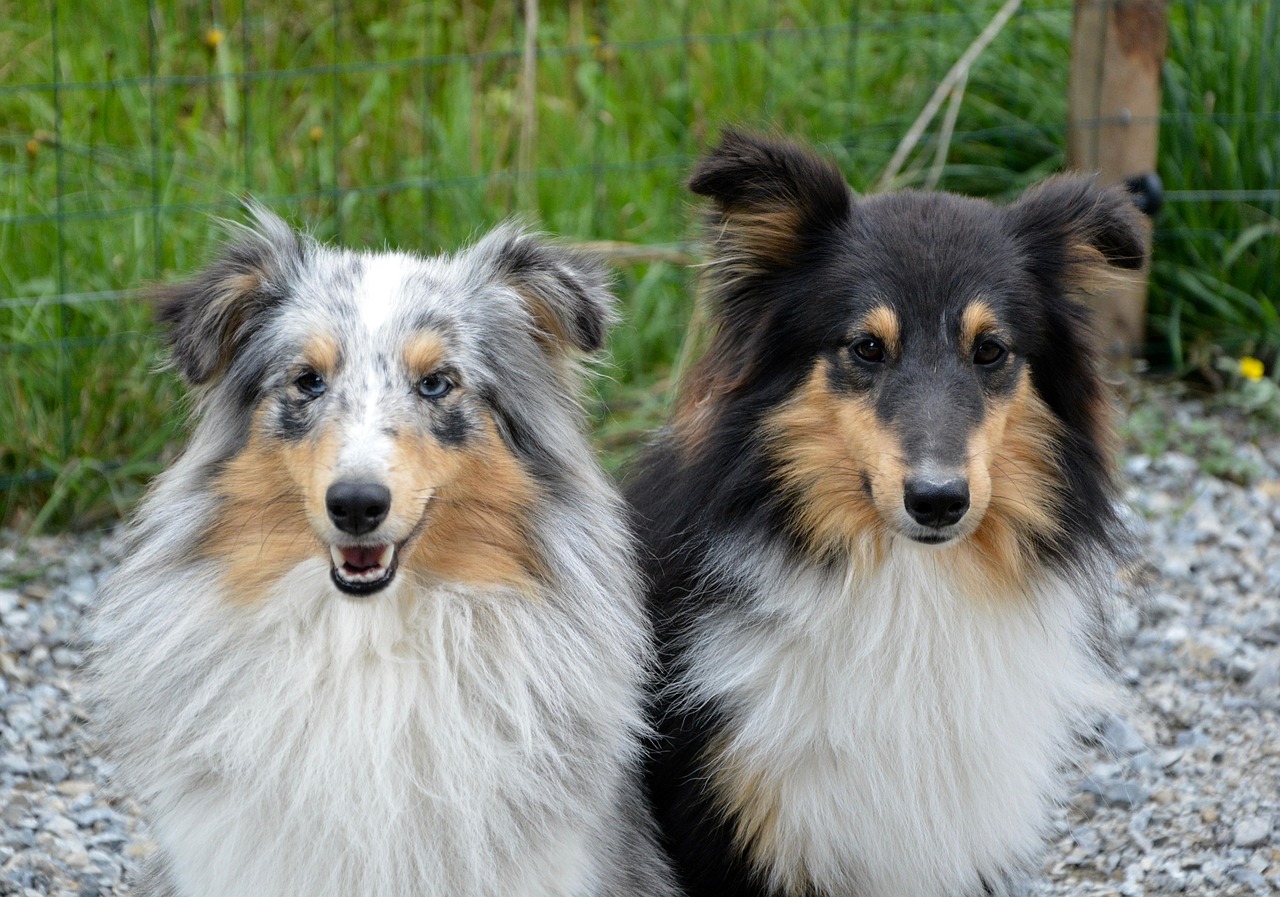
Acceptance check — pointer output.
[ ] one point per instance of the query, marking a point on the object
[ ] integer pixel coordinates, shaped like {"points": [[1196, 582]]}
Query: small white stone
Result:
{"points": [[1252, 832]]}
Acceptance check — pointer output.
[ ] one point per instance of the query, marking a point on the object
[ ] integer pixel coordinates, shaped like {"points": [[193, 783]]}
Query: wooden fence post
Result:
{"points": [[1117, 48]]}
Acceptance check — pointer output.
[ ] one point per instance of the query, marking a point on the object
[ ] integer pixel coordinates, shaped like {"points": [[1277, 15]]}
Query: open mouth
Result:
{"points": [[362, 569]]}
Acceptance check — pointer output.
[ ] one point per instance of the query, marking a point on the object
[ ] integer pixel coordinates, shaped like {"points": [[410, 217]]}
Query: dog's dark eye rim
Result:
{"points": [[310, 384], [435, 385], [868, 350], [989, 352]]}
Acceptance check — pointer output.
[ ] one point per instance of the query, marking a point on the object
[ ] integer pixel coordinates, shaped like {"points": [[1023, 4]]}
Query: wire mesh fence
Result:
{"points": [[128, 128]]}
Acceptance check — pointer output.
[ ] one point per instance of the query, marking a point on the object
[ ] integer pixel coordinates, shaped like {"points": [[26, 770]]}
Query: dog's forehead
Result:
{"points": [[380, 301], [928, 258]]}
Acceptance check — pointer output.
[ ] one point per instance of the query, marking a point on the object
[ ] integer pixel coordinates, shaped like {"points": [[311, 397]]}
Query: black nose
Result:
{"points": [[936, 503], [356, 507]]}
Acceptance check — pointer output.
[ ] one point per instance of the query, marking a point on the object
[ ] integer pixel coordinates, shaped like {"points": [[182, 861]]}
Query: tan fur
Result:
{"points": [[323, 354], [1090, 274], [715, 376], [229, 301], [882, 323], [458, 512], [425, 353], [549, 327], [828, 445], [1015, 484], [750, 798], [978, 319], [474, 529], [1101, 421], [262, 528], [759, 238]]}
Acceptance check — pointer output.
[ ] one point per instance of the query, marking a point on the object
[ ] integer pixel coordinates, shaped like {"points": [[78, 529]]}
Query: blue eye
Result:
{"points": [[434, 386], [310, 384]]}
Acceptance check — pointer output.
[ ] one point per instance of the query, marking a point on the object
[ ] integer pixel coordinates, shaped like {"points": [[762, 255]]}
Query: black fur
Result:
{"points": [[780, 302]]}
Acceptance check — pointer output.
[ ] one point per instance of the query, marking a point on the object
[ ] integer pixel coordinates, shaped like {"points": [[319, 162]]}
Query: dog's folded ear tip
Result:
{"points": [[205, 317], [770, 196], [565, 289], [1076, 208]]}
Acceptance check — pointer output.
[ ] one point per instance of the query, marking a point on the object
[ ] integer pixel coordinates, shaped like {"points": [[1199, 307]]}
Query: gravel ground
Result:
{"points": [[1180, 794]]}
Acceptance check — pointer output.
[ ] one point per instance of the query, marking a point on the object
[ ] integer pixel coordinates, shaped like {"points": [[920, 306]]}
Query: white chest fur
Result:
{"points": [[421, 745], [890, 735]]}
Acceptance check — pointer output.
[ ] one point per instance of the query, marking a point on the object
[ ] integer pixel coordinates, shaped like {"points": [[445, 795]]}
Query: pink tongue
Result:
{"points": [[362, 558]]}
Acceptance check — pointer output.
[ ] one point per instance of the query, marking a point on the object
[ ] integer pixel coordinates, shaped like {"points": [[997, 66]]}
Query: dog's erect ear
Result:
{"points": [[209, 317], [771, 197], [566, 291], [1077, 237], [1071, 229]]}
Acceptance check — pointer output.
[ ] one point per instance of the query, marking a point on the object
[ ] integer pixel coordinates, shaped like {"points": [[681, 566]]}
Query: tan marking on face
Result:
{"points": [[322, 353], [1018, 491], [829, 447], [462, 510], [475, 528], [262, 528], [882, 323], [425, 353], [978, 319]]}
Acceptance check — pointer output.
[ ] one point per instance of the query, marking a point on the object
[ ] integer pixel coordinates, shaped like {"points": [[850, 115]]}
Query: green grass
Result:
{"points": [[403, 128], [342, 126], [1216, 274]]}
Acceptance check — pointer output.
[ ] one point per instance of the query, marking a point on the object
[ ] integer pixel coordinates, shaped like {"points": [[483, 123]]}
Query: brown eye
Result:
{"points": [[988, 353], [869, 350]]}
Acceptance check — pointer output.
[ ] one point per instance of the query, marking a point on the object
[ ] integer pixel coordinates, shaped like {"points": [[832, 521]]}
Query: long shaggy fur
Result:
{"points": [[858, 704], [471, 729]]}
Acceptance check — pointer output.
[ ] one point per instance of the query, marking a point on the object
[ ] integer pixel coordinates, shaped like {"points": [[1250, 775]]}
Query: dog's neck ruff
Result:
{"points": [[433, 741], [886, 733]]}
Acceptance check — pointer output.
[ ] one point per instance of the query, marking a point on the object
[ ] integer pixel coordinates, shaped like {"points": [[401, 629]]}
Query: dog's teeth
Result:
{"points": [[359, 566]]}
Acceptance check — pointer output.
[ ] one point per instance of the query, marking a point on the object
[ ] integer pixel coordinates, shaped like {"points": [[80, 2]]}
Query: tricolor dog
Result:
{"points": [[881, 531]]}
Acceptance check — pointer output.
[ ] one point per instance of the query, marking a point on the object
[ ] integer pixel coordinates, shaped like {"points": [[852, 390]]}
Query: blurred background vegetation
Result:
{"points": [[127, 128]]}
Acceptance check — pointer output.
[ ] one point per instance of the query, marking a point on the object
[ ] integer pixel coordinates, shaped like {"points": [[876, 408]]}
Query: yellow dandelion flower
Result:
{"points": [[1251, 368], [316, 133], [212, 38], [33, 148]]}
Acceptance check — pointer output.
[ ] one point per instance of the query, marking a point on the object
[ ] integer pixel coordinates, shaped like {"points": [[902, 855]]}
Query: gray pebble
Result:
{"points": [[1116, 792], [1252, 832], [1120, 738], [1252, 879]]}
